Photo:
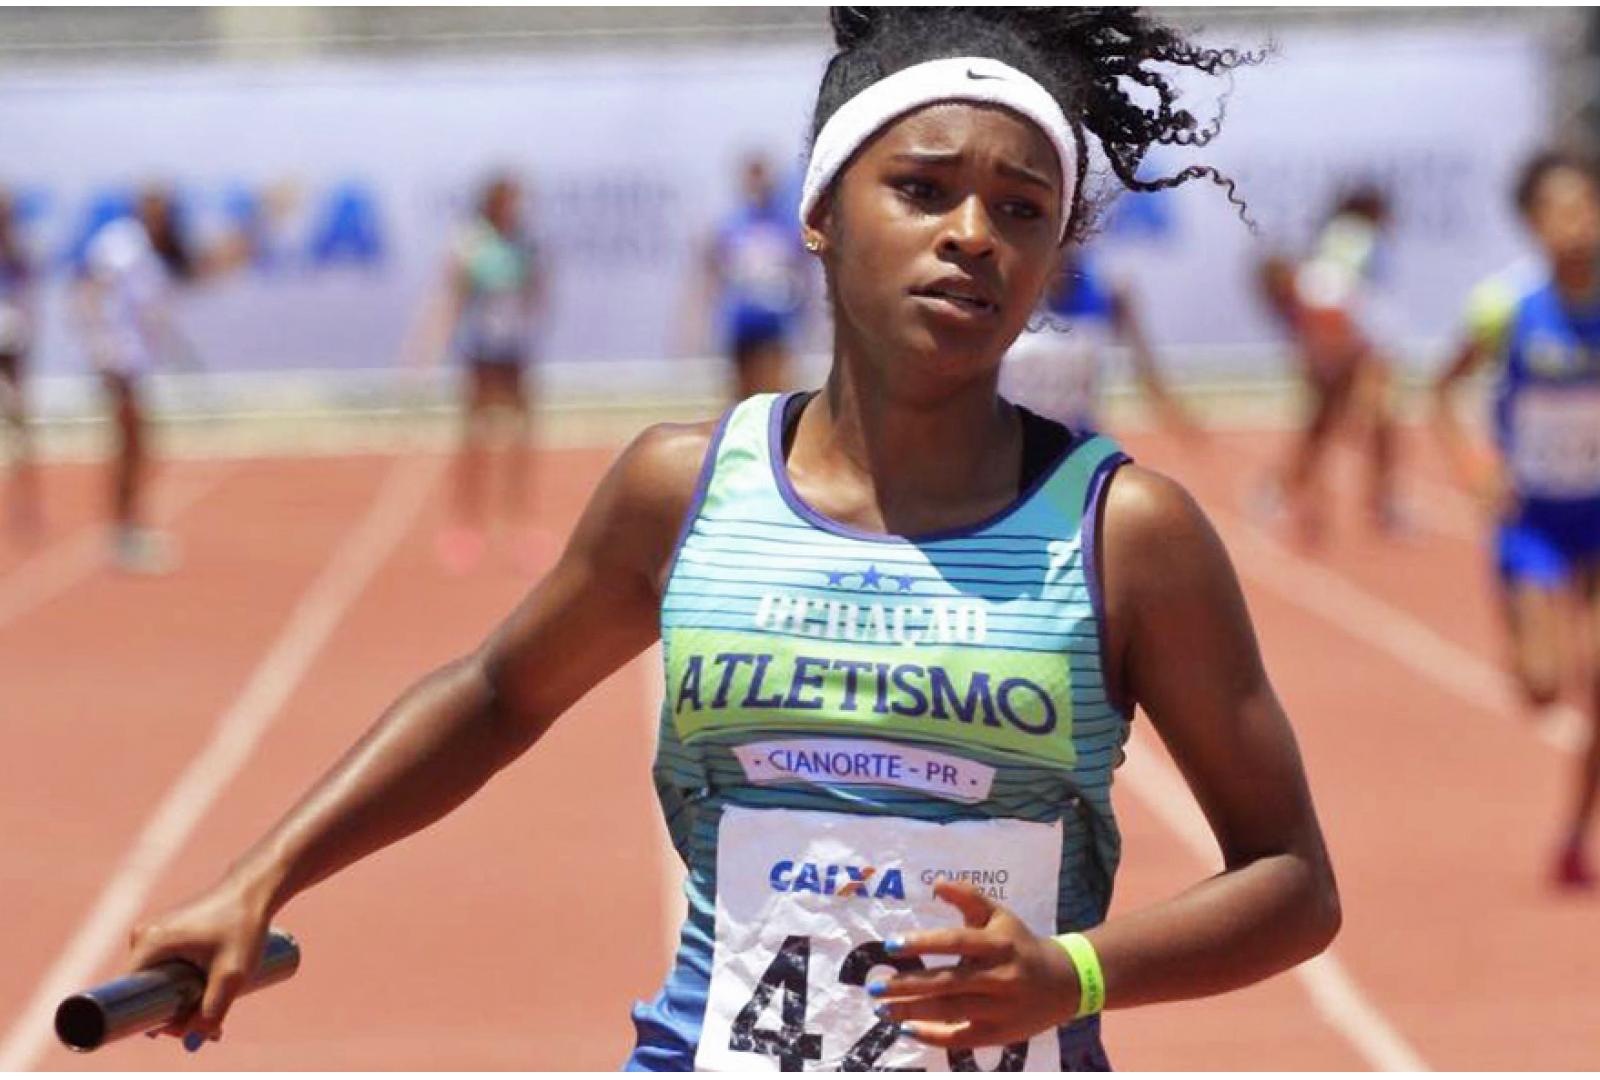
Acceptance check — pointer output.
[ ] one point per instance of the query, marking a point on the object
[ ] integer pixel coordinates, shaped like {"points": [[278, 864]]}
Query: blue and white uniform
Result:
{"points": [[1546, 421], [763, 267], [129, 321], [1057, 372], [16, 330], [850, 718]]}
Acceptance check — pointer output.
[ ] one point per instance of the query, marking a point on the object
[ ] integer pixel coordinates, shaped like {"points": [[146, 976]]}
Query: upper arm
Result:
{"points": [[599, 606], [1491, 308], [1183, 648]]}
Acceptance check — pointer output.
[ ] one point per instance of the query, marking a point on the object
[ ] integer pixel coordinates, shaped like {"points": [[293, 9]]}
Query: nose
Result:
{"points": [[968, 230]]}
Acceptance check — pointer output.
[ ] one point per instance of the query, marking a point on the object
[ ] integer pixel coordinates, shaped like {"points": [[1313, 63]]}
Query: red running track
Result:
{"points": [[517, 933]]}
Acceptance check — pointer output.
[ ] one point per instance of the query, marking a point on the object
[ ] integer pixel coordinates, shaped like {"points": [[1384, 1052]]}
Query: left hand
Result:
{"points": [[1009, 985]]}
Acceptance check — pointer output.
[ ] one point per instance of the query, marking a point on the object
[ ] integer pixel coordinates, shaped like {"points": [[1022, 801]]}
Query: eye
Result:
{"points": [[917, 189], [1023, 209]]}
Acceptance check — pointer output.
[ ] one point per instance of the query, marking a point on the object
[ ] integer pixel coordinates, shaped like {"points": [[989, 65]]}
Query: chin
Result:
{"points": [[958, 356]]}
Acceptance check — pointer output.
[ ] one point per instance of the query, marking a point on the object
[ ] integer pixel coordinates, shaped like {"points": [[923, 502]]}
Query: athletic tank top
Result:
{"points": [[1547, 392], [850, 718], [494, 324]]}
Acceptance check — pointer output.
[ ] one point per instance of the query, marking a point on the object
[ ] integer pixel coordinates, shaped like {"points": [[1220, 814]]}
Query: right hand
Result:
{"points": [[222, 932]]}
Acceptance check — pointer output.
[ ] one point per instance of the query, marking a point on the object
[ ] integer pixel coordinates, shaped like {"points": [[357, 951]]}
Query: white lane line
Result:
{"points": [[1367, 618], [1334, 994], [77, 556], [233, 740]]}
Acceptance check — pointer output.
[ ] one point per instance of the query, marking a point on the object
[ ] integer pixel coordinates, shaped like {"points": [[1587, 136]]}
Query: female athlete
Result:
{"points": [[1539, 324], [495, 290], [17, 302], [1328, 307], [904, 625], [1056, 370], [132, 268]]}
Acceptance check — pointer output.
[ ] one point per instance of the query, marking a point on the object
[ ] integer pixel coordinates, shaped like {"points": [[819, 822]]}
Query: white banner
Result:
{"points": [[631, 159]]}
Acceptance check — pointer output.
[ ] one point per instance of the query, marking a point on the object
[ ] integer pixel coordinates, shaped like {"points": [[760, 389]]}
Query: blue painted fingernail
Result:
{"points": [[893, 945], [877, 988], [193, 1041]]}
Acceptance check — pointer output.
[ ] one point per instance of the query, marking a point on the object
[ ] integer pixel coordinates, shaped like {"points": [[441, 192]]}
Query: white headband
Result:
{"points": [[962, 78]]}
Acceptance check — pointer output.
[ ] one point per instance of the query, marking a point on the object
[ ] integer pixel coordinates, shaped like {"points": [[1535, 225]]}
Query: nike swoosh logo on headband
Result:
{"points": [[974, 75]]}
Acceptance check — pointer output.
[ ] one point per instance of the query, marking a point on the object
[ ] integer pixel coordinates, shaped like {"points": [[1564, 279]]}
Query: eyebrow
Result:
{"points": [[954, 157]]}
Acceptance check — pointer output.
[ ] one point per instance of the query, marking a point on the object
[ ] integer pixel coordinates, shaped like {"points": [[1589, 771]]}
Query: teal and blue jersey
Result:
{"points": [[1546, 417], [496, 269], [850, 717]]}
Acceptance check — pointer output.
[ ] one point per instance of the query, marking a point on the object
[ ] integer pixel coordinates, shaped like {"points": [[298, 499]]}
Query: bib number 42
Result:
{"points": [[788, 979]]}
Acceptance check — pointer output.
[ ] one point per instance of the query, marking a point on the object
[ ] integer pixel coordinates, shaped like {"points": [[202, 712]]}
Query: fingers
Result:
{"points": [[960, 1009], [944, 982], [227, 976], [976, 909], [959, 1036], [962, 941]]}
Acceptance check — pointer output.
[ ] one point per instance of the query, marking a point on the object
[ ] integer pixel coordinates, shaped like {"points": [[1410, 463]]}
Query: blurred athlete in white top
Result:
{"points": [[17, 289], [132, 268]]}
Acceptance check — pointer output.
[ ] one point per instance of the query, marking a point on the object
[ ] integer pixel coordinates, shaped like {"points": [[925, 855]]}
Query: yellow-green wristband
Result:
{"points": [[1091, 983]]}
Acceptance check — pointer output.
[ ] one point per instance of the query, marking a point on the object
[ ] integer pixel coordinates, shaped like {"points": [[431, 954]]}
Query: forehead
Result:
{"points": [[969, 128], [1562, 188]]}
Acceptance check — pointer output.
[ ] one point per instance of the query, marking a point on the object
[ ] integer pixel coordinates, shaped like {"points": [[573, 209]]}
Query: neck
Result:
{"points": [[1576, 280], [925, 455]]}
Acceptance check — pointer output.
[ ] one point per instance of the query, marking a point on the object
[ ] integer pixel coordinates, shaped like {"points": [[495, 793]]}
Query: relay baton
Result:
{"points": [[158, 996]]}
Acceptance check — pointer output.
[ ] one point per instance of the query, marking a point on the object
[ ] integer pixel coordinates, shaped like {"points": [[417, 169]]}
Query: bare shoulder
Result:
{"points": [[1155, 532], [662, 465], [1145, 506], [636, 513]]}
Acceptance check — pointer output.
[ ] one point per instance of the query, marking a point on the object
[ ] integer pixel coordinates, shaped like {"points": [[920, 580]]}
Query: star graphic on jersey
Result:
{"points": [[835, 577], [872, 579], [905, 582]]}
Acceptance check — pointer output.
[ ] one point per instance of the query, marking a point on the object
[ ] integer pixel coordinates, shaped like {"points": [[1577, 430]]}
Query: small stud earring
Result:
{"points": [[813, 244]]}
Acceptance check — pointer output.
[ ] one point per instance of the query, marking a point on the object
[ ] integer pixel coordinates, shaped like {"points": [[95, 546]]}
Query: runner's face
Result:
{"points": [[1565, 216], [502, 207], [941, 236]]}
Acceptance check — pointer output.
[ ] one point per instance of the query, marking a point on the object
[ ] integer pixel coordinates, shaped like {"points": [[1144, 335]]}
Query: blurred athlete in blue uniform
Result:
{"points": [[757, 270], [1056, 371], [1538, 324]]}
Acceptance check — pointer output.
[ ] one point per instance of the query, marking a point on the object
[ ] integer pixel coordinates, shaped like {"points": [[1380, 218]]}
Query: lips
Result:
{"points": [[965, 294]]}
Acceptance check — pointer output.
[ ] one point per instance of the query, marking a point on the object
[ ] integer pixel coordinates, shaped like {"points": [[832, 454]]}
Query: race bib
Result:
{"points": [[805, 901], [1555, 447]]}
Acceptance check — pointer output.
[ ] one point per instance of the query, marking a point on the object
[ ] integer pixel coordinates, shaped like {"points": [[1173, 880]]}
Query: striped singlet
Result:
{"points": [[850, 718]]}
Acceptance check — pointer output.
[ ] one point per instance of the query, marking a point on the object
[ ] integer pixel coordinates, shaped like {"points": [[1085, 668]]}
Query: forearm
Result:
{"points": [[1237, 928], [426, 755]]}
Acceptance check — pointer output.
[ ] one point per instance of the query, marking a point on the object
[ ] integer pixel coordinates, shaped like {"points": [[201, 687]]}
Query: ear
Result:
{"points": [[818, 228]]}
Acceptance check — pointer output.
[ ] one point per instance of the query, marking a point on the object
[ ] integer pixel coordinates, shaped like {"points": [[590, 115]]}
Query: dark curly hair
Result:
{"points": [[1531, 176], [1092, 60]]}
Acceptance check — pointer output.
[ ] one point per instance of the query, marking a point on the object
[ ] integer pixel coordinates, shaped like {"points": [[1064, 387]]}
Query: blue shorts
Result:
{"points": [[1547, 542], [751, 328]]}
